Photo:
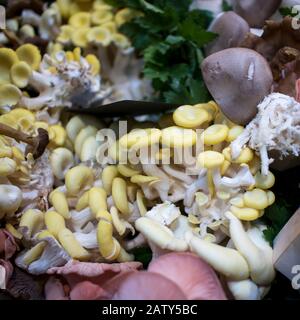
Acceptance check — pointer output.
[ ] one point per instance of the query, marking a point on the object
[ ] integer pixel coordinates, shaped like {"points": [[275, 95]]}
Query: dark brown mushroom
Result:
{"points": [[232, 30], [238, 79], [36, 145], [255, 12]]}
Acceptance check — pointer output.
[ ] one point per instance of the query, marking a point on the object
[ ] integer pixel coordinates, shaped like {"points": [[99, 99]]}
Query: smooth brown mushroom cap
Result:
{"points": [[232, 30], [255, 12], [238, 79]]}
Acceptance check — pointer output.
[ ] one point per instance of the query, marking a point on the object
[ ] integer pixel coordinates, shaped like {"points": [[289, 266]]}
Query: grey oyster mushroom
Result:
{"points": [[231, 30], [238, 79], [255, 12]]}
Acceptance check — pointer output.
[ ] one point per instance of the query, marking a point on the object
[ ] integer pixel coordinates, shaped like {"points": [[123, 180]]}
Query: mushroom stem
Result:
{"points": [[37, 144]]}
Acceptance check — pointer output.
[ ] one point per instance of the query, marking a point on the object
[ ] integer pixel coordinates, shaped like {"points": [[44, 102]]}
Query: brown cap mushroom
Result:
{"points": [[255, 12], [232, 30], [238, 79], [36, 145]]}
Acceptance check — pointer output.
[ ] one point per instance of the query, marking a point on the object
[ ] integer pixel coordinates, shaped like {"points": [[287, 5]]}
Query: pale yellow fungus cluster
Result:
{"points": [[15, 70], [92, 23]]}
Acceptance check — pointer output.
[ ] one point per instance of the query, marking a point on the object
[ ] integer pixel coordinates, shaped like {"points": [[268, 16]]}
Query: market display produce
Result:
{"points": [[79, 196]]}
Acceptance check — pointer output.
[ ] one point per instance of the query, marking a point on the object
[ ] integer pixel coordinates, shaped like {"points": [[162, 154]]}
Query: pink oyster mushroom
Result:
{"points": [[173, 276]]}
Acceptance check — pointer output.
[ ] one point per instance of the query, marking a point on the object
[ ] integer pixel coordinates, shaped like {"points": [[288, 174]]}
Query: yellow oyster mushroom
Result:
{"points": [[125, 15], [97, 200], [190, 117], [30, 54], [34, 253], [94, 62], [5, 152], [256, 199], [119, 194], [8, 58], [101, 16], [215, 134], [211, 107], [109, 173], [245, 214], [127, 171], [72, 246], [23, 118], [54, 222], [140, 138], [44, 234], [110, 26], [82, 202], [78, 178], [80, 20], [20, 74], [178, 137], [100, 4], [64, 8], [18, 154], [234, 132], [245, 156], [120, 40], [210, 159], [140, 200], [54, 48], [9, 95], [99, 35], [57, 135], [60, 203], [140, 179], [79, 37], [264, 182], [77, 54], [27, 31], [65, 34], [33, 220], [271, 197], [109, 248], [12, 230]]}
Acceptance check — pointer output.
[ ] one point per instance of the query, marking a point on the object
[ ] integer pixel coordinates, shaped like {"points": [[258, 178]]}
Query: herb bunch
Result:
{"points": [[170, 38]]}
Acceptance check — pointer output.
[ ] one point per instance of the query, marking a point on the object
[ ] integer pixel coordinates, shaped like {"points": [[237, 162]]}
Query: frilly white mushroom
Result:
{"points": [[73, 84], [275, 128], [164, 213]]}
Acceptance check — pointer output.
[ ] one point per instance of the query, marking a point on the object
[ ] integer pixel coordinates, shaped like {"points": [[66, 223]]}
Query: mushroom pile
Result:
{"points": [[79, 195]]}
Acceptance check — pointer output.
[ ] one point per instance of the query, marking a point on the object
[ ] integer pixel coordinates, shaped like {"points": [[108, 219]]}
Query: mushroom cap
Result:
{"points": [[232, 30], [143, 286], [238, 79], [198, 281], [255, 12]]}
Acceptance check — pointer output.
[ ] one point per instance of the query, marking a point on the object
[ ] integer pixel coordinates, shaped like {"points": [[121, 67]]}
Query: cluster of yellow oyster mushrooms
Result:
{"points": [[98, 205], [92, 23], [15, 70]]}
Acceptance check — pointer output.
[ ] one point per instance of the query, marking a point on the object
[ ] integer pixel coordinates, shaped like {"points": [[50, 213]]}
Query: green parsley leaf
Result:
{"points": [[170, 39], [276, 216], [288, 11]]}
